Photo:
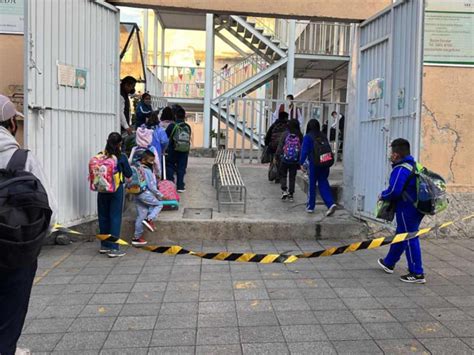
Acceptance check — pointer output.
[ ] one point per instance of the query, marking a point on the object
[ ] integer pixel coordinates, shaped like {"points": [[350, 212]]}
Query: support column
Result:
{"points": [[145, 40], [290, 66], [208, 79], [321, 89], [155, 44], [333, 87], [163, 30], [281, 85]]}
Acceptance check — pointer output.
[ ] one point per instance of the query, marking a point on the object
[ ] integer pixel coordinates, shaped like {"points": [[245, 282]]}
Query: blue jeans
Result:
{"points": [[148, 207], [318, 177], [15, 290], [176, 164], [110, 206], [407, 222]]}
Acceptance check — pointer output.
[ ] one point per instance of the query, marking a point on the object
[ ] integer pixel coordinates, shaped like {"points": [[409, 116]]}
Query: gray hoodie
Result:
{"points": [[8, 145]]}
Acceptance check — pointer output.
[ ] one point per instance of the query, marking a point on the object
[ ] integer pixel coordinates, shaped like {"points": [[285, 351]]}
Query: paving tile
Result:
{"points": [[210, 320], [461, 328], [93, 324], [322, 292], [101, 310], [448, 314], [335, 317], [50, 325], [373, 315], [320, 347], [300, 333], [173, 337], [296, 317], [397, 302], [176, 321], [261, 334], [251, 294], [73, 299], [179, 307], [345, 332], [362, 303], [125, 351], [82, 341], [39, 342], [140, 309], [324, 304], [105, 298], [218, 336], [428, 330], [351, 292], [128, 339], [217, 307], [80, 288], [216, 295], [402, 346], [115, 287], [172, 350], [61, 311], [356, 347], [134, 323], [232, 349], [254, 306], [386, 331], [416, 314], [289, 284], [265, 349], [145, 297], [284, 293], [445, 346], [431, 302], [290, 305]]}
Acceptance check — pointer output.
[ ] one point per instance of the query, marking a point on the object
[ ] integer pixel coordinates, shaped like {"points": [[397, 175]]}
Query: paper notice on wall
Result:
{"points": [[449, 32], [69, 75], [11, 16]]}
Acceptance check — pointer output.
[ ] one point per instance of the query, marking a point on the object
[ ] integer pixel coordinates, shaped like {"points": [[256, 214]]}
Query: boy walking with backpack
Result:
{"points": [[288, 154], [402, 190], [148, 202], [179, 134]]}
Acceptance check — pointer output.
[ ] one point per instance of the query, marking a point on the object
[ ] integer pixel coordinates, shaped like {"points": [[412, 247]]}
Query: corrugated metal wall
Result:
{"points": [[75, 122], [390, 50]]}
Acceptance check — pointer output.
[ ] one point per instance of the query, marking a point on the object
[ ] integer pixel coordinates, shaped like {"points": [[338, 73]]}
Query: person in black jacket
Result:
{"points": [[273, 136]]}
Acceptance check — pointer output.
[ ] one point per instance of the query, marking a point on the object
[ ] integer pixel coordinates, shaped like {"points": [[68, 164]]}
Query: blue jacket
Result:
{"points": [[307, 149], [394, 192], [142, 113], [160, 141]]}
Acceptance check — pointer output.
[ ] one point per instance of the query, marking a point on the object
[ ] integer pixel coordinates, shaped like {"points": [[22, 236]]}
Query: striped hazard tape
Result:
{"points": [[277, 258]]}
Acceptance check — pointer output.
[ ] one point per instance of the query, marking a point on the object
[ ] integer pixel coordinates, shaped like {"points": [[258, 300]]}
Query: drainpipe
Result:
{"points": [[208, 79]]}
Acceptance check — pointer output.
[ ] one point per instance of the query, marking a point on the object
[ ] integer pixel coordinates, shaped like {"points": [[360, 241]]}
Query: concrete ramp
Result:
{"points": [[267, 216]]}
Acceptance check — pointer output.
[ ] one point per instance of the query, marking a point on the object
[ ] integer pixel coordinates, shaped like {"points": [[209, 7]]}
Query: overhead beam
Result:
{"points": [[358, 10]]}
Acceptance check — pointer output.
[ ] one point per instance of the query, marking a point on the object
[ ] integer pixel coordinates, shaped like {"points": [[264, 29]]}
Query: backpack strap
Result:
{"points": [[412, 169], [18, 160]]}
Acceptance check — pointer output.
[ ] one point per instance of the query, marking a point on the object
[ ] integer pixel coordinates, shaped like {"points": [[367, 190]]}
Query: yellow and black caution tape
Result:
{"points": [[278, 258]]}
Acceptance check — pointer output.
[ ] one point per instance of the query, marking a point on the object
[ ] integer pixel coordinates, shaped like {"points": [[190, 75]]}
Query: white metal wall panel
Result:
{"points": [[65, 126], [390, 49]]}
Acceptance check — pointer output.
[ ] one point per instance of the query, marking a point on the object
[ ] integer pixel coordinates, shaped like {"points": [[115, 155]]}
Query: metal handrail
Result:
{"points": [[268, 30]]}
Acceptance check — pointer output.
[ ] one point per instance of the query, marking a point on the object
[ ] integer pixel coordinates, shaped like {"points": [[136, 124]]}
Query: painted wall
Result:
{"points": [[11, 59], [447, 138], [334, 9]]}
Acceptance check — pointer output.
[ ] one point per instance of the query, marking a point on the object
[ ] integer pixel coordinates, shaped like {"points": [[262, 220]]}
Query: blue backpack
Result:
{"points": [[291, 149]]}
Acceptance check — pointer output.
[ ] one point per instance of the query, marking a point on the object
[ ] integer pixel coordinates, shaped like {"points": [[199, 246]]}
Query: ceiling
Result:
{"points": [[183, 20]]}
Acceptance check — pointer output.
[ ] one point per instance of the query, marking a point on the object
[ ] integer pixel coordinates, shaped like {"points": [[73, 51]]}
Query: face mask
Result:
{"points": [[149, 165]]}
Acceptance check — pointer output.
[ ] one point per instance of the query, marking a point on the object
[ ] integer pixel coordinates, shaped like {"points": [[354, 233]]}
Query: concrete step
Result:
{"points": [[267, 216]]}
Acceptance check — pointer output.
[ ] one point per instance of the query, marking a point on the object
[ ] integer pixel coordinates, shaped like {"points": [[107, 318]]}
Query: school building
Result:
{"points": [[393, 69]]}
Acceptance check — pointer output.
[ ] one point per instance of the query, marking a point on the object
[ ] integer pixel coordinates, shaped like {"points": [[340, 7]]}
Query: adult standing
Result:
{"points": [[272, 139], [16, 283], [318, 175], [179, 134], [294, 113], [127, 87]]}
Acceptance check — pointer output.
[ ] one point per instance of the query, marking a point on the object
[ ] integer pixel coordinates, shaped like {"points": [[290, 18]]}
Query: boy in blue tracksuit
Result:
{"points": [[402, 190]]}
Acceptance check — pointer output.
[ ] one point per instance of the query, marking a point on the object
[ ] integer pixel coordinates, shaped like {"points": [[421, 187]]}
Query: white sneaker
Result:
{"points": [[331, 210], [181, 191], [22, 351], [308, 210]]}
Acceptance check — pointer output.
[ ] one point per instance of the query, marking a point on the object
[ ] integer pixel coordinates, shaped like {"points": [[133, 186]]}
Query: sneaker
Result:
{"points": [[138, 242], [414, 279], [22, 351], [309, 210], [103, 251], [116, 253], [181, 190], [291, 198], [386, 268], [331, 210], [149, 224], [284, 195]]}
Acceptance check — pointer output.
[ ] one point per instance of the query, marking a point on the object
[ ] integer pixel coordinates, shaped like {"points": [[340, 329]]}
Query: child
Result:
{"points": [[402, 190], [160, 138], [143, 111], [288, 154], [110, 205], [144, 139], [148, 203], [318, 175]]}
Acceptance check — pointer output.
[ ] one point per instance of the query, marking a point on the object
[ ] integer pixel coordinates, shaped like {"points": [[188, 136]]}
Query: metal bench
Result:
{"points": [[223, 156], [229, 180]]}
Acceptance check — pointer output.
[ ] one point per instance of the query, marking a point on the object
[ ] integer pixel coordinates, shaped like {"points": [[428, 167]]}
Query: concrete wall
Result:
{"points": [[323, 9], [447, 139]]}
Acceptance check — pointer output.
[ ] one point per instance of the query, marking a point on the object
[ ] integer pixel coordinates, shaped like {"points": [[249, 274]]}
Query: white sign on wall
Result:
{"points": [[449, 32], [11, 16]]}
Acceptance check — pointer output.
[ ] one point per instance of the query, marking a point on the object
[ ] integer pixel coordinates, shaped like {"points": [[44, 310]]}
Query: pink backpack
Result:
{"points": [[103, 173]]}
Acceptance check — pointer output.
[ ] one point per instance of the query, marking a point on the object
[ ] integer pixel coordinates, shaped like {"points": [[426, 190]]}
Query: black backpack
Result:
{"points": [[323, 155], [25, 214]]}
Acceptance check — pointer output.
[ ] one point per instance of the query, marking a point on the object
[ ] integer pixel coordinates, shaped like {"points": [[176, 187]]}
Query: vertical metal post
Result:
{"points": [[236, 120], [281, 85], [155, 43], [208, 78], [261, 116], [419, 82], [321, 89], [333, 87], [145, 39], [244, 129], [227, 107], [218, 138], [252, 123], [163, 30], [290, 66]]}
